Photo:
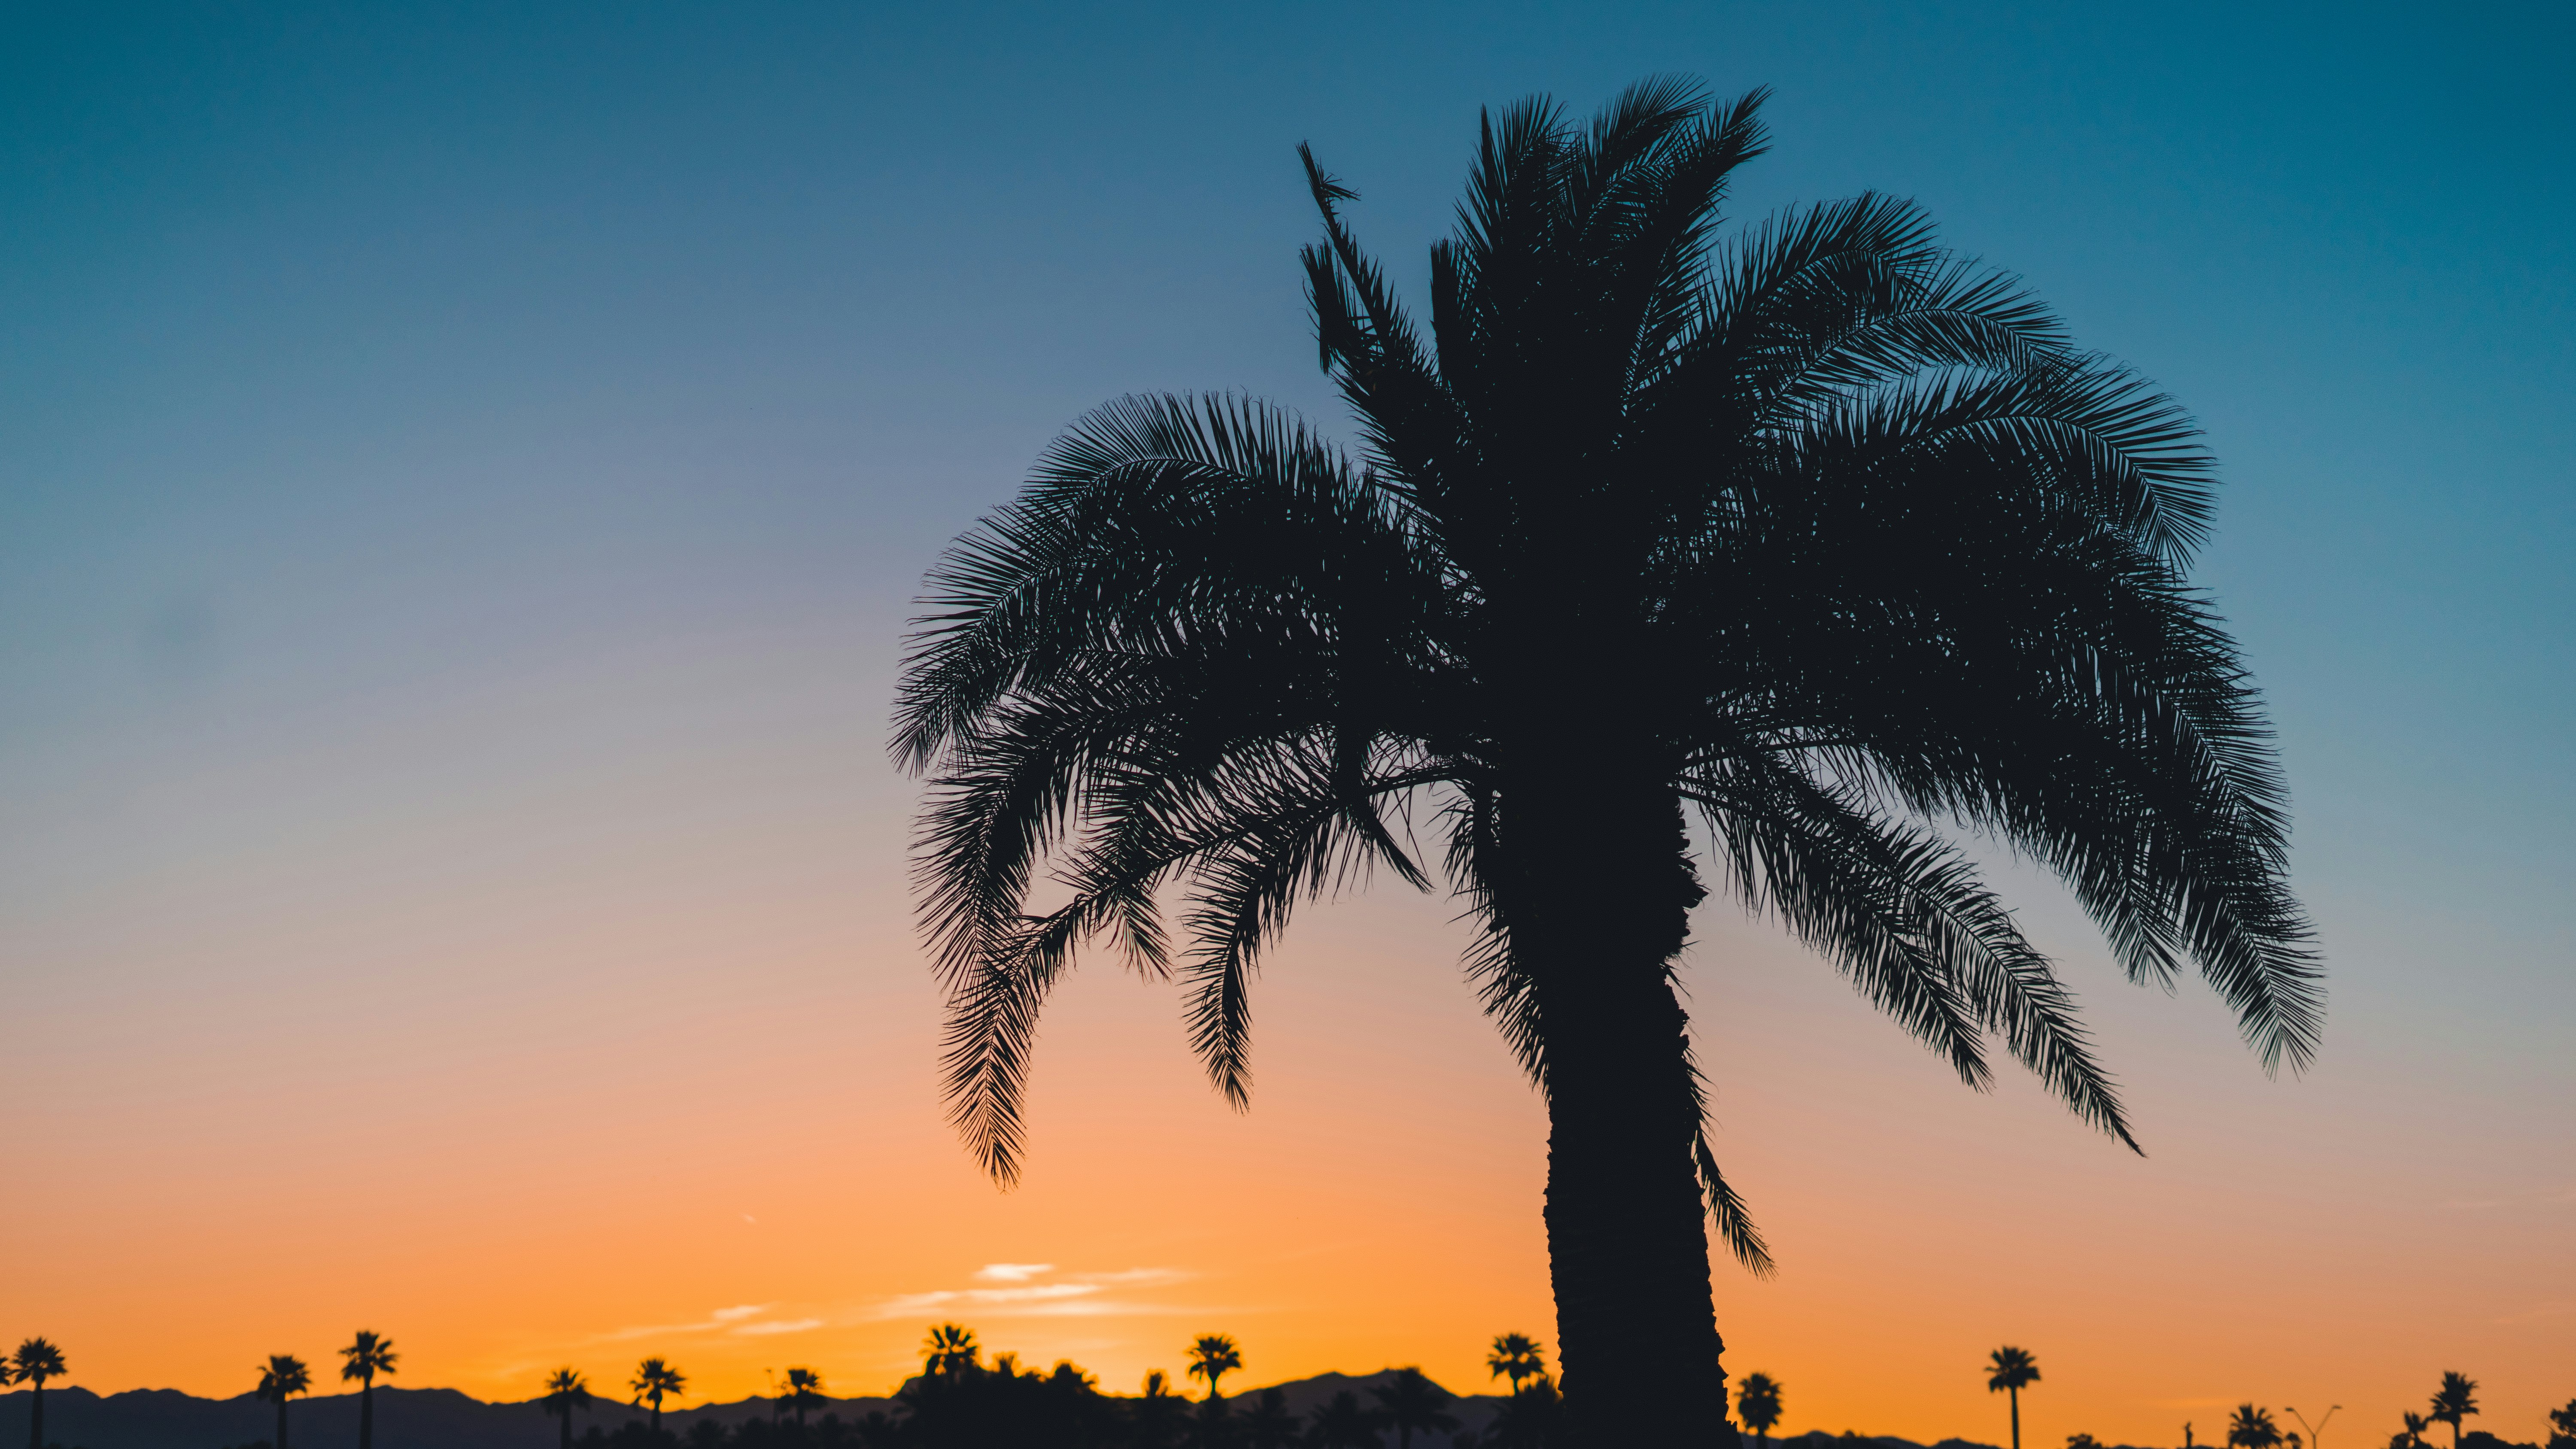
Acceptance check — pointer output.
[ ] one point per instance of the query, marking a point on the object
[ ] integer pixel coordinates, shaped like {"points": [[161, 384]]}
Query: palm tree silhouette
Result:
{"points": [[653, 1379], [1343, 1424], [1757, 1403], [281, 1378], [1269, 1424], [364, 1358], [1411, 1401], [949, 1351], [2562, 1427], [2009, 1370], [37, 1360], [566, 1391], [1823, 534], [804, 1386], [2252, 1428], [1157, 1413], [1515, 1356], [2455, 1400], [1212, 1357]]}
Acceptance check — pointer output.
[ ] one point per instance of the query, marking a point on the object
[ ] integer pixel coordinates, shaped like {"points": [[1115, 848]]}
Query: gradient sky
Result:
{"points": [[462, 476]]}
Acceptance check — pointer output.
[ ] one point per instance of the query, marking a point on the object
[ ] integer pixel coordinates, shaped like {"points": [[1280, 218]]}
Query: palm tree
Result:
{"points": [[37, 1360], [281, 1378], [1269, 1424], [2411, 1436], [1515, 1356], [1412, 1402], [2455, 1400], [1212, 1357], [1343, 1424], [949, 1351], [566, 1391], [1528, 1419], [1823, 534], [2252, 1428], [654, 1379], [2562, 1427], [804, 1386], [1157, 1413], [364, 1358], [2009, 1370], [1757, 1403]]}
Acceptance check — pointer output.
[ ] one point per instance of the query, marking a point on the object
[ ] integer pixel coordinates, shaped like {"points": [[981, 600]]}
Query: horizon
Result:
{"points": [[464, 480]]}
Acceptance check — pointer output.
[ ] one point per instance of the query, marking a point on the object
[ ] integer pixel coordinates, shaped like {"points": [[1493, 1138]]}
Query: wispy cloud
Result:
{"points": [[1074, 1295], [720, 1320], [778, 1325]]}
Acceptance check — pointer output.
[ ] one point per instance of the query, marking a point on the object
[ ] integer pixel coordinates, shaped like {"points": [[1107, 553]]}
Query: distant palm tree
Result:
{"points": [[653, 1379], [2411, 1436], [37, 1360], [2252, 1428], [1211, 1358], [2009, 1370], [1515, 1356], [1821, 535], [804, 1386], [1269, 1424], [949, 1351], [1529, 1419], [1757, 1403], [366, 1357], [2562, 1427], [565, 1392], [1343, 1424], [1155, 1417], [1412, 1402], [283, 1377], [2455, 1400]]}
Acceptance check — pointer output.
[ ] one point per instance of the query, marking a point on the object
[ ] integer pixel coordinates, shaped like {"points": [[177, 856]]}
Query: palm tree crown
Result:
{"points": [[1212, 1357], [1823, 536], [2252, 1428], [948, 1351], [1410, 1402], [1757, 1403], [1343, 1424], [1269, 1424], [2455, 1400], [1515, 1356]]}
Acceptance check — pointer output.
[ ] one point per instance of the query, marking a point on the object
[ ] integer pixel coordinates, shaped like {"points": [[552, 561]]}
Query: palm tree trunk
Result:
{"points": [[567, 1426], [36, 1417], [281, 1421], [366, 1413], [1599, 903], [2014, 1394]]}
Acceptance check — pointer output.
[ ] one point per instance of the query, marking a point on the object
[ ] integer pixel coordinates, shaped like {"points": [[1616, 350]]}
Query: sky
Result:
{"points": [[464, 472]]}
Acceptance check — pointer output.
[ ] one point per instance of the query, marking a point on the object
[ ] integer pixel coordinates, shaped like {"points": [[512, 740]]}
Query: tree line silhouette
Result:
{"points": [[959, 1401]]}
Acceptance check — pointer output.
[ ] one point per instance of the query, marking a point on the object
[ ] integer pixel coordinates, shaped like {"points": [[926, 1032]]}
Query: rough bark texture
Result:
{"points": [[1603, 890]]}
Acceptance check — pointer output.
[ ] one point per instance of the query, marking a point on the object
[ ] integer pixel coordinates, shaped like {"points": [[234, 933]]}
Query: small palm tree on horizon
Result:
{"points": [[566, 1390], [949, 1351], [2454, 1401], [1269, 1424], [804, 1386], [1515, 1356], [2009, 1370], [368, 1355], [1212, 1357], [2252, 1428], [1757, 1403], [281, 1378], [654, 1379], [37, 1360]]}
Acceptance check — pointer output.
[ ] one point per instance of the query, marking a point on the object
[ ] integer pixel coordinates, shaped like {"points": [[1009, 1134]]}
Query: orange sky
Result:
{"points": [[621, 1045]]}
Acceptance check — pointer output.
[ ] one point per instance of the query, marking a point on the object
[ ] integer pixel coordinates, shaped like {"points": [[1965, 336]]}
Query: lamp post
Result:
{"points": [[2316, 1429]]}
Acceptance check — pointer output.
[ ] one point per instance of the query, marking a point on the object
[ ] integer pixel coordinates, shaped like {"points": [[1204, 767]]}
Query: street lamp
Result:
{"points": [[2314, 1430]]}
